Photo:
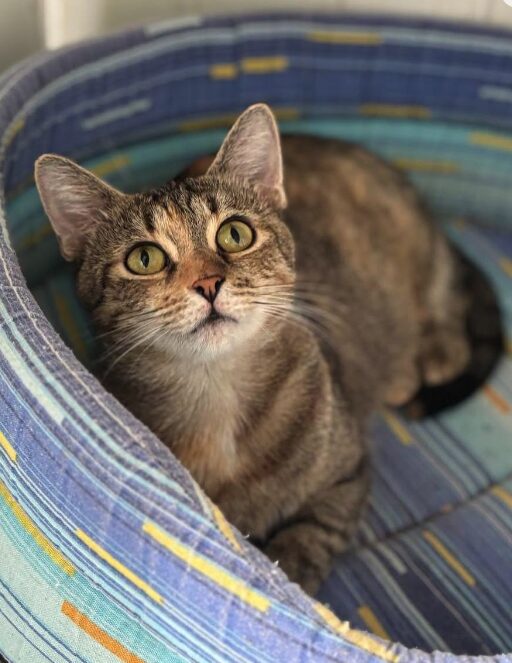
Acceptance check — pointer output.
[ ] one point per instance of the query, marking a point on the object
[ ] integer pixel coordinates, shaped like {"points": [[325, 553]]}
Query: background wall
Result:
{"points": [[112, 14], [20, 30], [27, 25]]}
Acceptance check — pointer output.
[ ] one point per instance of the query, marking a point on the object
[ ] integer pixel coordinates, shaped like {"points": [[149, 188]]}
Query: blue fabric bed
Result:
{"points": [[108, 549]]}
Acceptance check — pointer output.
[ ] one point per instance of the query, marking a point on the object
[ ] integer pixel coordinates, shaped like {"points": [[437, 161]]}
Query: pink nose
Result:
{"points": [[208, 287]]}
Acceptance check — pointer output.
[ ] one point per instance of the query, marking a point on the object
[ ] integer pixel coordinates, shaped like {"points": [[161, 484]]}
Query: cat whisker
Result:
{"points": [[129, 336], [333, 322], [299, 320], [145, 338], [132, 323], [324, 327]]}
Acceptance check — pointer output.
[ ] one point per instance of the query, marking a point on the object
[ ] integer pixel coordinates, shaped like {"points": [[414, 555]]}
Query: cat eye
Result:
{"points": [[234, 236], [146, 259]]}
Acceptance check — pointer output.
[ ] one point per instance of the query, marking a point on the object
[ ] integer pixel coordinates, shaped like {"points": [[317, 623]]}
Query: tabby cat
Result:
{"points": [[254, 320]]}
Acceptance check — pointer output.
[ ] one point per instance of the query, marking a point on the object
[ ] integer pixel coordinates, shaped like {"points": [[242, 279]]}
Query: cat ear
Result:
{"points": [[74, 199], [252, 151]]}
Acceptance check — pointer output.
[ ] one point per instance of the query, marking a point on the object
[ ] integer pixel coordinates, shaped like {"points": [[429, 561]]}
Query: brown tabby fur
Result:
{"points": [[347, 300]]}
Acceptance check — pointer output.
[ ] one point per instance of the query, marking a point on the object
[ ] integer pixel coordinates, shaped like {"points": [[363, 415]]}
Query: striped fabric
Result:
{"points": [[108, 550]]}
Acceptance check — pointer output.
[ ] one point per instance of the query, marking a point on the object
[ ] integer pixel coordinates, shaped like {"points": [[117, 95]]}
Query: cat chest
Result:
{"points": [[212, 456]]}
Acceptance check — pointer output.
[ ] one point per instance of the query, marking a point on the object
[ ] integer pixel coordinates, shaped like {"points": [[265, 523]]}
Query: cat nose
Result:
{"points": [[208, 287]]}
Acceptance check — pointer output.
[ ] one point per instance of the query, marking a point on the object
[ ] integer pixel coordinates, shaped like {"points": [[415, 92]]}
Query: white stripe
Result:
{"points": [[479, 608], [251, 30], [394, 560], [35, 386], [76, 554], [117, 113], [396, 595], [24, 373], [440, 596], [173, 24], [495, 92]]}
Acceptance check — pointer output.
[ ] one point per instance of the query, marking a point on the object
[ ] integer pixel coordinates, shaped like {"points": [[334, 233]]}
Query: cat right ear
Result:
{"points": [[74, 199], [252, 151]]}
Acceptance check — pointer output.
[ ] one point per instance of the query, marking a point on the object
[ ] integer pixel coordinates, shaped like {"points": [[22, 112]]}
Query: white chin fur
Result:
{"points": [[220, 338]]}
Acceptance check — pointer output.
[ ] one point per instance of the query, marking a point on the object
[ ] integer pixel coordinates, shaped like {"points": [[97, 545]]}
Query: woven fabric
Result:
{"points": [[109, 551]]}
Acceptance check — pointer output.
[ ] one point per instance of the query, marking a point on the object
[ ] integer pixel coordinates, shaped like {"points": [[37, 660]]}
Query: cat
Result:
{"points": [[257, 314]]}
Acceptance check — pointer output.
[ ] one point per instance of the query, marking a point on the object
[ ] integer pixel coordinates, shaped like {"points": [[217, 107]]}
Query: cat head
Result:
{"points": [[190, 268]]}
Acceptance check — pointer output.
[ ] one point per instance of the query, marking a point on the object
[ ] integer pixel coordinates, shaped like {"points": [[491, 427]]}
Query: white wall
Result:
{"points": [[20, 30], [123, 12], [23, 22], [114, 14]]}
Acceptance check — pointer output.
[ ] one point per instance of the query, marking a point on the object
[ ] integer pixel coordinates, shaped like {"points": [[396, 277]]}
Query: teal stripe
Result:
{"points": [[395, 593], [35, 584], [482, 612], [39, 508], [36, 386]]}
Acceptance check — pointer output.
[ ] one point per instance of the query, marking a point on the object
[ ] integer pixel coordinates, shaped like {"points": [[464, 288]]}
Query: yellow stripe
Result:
{"points": [[13, 131], [391, 110], [212, 509], [221, 121], [491, 140], [7, 447], [357, 638], [111, 165], [69, 324], [224, 526], [330, 618], [506, 266], [397, 427], [207, 568], [503, 494], [121, 568], [286, 113], [28, 524], [496, 399], [424, 165], [224, 70], [98, 634], [345, 37], [449, 558], [213, 122], [371, 620], [263, 65]]}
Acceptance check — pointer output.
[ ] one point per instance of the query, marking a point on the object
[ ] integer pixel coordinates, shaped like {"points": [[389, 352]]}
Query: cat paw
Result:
{"points": [[295, 560], [402, 389], [444, 355]]}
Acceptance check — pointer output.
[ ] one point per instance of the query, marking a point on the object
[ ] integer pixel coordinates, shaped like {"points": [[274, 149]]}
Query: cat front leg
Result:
{"points": [[305, 548]]}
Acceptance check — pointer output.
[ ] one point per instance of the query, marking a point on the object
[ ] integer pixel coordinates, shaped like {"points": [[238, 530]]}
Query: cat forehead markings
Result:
{"points": [[187, 227]]}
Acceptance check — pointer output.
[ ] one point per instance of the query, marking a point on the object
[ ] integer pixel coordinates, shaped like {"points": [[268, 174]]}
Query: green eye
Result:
{"points": [[146, 259], [234, 236]]}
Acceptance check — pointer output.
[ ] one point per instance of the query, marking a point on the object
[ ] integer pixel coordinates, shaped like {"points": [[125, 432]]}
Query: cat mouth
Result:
{"points": [[213, 319]]}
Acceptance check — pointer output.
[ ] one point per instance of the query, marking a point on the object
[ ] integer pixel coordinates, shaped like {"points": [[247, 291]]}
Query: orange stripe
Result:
{"points": [[99, 634], [497, 400]]}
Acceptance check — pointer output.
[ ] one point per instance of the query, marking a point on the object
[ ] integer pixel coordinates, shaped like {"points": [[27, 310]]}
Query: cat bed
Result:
{"points": [[109, 551]]}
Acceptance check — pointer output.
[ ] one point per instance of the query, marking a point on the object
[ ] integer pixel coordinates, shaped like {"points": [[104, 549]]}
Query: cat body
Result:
{"points": [[282, 312]]}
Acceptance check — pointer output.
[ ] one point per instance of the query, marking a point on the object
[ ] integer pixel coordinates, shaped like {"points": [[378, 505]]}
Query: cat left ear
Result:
{"points": [[252, 151], [74, 199]]}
